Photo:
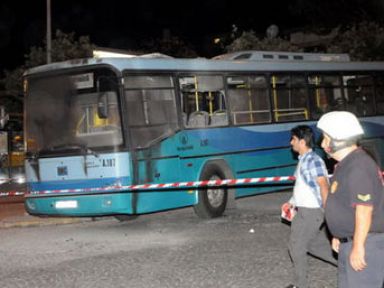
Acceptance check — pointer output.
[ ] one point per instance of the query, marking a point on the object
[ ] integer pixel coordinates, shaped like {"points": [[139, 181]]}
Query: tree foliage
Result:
{"points": [[249, 41], [331, 13], [363, 41], [64, 47], [171, 45]]}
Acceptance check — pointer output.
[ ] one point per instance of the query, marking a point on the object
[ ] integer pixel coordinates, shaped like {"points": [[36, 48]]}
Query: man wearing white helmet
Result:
{"points": [[354, 210]]}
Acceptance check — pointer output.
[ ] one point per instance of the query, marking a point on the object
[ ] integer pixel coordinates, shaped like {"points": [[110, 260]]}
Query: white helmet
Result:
{"points": [[340, 125]]}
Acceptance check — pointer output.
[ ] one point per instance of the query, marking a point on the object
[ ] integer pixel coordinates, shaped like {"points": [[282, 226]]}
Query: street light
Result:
{"points": [[49, 40]]}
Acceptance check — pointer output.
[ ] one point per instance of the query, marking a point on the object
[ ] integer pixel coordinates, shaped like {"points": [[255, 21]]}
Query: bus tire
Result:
{"points": [[212, 201], [125, 217]]}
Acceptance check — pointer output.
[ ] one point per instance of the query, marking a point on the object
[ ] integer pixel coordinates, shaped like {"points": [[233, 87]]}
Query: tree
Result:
{"points": [[169, 45], [64, 47], [363, 41], [249, 41], [325, 14]]}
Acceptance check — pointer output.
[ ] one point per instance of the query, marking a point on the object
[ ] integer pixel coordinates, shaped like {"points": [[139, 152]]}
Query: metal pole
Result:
{"points": [[49, 40], [9, 140]]}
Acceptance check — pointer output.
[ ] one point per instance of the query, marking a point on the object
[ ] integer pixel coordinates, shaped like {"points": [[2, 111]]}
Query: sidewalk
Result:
{"points": [[13, 214]]}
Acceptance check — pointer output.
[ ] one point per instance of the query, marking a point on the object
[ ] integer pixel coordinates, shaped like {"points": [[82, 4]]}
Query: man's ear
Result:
{"points": [[302, 142]]}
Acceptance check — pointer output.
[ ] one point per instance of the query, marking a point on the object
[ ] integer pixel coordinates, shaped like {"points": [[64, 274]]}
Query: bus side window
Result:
{"points": [[201, 97], [325, 94], [151, 108], [359, 94], [219, 116], [318, 96], [249, 99], [289, 93], [335, 96], [184, 118]]}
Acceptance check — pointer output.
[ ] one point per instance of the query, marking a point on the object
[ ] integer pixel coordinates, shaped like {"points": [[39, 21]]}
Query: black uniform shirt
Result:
{"points": [[356, 180]]}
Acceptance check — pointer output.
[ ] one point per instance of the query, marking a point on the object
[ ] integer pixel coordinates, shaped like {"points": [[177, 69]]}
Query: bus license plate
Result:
{"points": [[66, 204]]}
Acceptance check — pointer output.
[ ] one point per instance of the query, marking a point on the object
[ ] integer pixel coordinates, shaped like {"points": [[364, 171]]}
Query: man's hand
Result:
{"points": [[324, 187], [286, 206], [287, 211], [357, 258], [335, 244]]}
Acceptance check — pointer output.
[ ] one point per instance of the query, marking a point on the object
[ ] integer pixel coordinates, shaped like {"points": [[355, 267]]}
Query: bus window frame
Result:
{"points": [[289, 87], [173, 89], [207, 114], [113, 73], [370, 104], [267, 98]]}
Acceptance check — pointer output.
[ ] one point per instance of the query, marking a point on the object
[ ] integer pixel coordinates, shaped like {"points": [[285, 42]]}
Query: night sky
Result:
{"points": [[122, 24]]}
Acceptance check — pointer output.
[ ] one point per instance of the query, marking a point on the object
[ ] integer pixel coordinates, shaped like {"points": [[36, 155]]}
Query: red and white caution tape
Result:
{"points": [[175, 185], [11, 193], [161, 186]]}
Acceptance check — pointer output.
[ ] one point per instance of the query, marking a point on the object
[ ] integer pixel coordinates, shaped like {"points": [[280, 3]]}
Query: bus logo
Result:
{"points": [[184, 139], [62, 171]]}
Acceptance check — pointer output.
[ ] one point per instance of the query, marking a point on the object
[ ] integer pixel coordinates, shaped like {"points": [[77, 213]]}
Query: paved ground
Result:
{"points": [[169, 249]]}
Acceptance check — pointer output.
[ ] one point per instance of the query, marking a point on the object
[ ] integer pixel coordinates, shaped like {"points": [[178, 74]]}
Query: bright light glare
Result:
{"points": [[19, 179]]}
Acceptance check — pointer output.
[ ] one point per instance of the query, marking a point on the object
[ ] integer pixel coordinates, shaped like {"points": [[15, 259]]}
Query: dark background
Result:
{"points": [[125, 24]]}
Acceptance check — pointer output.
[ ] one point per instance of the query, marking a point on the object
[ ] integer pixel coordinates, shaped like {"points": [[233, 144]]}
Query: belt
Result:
{"points": [[349, 239], [346, 239]]}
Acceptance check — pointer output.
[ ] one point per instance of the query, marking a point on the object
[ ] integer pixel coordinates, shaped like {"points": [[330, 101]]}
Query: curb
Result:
{"points": [[31, 221]]}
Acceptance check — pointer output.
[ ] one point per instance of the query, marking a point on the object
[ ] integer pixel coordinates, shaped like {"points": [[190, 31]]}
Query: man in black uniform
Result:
{"points": [[355, 205]]}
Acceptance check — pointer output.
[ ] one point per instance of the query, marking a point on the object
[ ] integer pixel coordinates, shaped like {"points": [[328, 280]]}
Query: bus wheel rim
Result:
{"points": [[215, 195]]}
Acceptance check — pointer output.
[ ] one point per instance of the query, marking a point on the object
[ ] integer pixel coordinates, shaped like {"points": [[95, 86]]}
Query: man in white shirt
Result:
{"points": [[308, 234]]}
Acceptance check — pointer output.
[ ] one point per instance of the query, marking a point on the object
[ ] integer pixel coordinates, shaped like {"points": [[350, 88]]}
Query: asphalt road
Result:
{"points": [[245, 248]]}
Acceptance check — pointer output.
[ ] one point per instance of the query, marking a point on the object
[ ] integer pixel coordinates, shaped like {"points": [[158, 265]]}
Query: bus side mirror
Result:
{"points": [[102, 106]]}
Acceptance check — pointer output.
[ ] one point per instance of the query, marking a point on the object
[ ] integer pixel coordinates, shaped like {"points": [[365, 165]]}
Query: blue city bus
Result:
{"points": [[95, 125]]}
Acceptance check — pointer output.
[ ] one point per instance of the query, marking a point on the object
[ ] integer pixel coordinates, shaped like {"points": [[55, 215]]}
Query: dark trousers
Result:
{"points": [[373, 275], [308, 235]]}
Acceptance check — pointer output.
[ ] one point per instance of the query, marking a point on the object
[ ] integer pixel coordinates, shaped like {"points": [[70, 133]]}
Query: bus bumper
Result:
{"points": [[80, 205]]}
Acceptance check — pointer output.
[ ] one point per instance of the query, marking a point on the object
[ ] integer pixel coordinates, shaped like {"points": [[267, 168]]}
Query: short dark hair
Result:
{"points": [[304, 132]]}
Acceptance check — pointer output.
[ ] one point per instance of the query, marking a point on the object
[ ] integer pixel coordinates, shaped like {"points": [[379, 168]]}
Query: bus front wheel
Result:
{"points": [[212, 200]]}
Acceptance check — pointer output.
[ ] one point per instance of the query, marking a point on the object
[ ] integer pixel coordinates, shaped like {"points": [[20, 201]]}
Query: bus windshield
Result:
{"points": [[72, 112]]}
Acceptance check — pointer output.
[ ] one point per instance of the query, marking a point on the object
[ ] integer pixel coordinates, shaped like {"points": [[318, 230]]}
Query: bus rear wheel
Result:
{"points": [[212, 200]]}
